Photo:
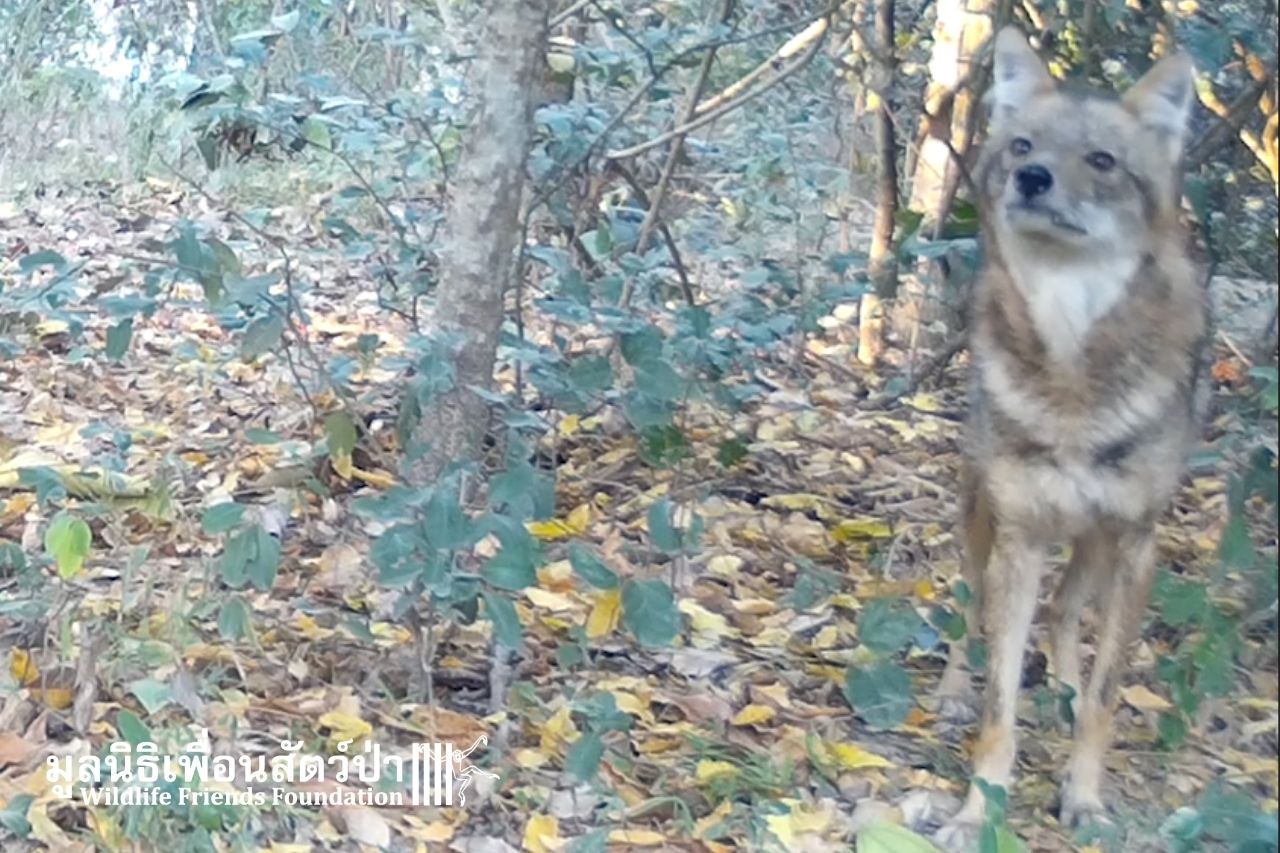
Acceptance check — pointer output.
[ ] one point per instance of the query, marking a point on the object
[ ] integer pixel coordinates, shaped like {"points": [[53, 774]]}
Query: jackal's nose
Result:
{"points": [[1033, 181]]}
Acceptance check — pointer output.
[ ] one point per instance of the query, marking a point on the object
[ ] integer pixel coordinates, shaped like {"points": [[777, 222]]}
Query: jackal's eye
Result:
{"points": [[1101, 160], [1020, 147]]}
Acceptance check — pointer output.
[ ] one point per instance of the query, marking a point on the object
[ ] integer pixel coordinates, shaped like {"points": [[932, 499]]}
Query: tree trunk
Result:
{"points": [[883, 264], [483, 228], [962, 27]]}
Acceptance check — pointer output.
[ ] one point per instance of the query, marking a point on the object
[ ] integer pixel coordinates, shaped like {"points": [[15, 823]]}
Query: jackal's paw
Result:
{"points": [[1081, 808], [958, 836]]}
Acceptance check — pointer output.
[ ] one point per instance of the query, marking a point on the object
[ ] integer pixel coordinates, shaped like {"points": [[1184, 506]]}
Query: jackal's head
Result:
{"points": [[1079, 174]]}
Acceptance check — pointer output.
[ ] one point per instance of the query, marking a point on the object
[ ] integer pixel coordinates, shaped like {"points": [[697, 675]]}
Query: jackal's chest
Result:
{"points": [[1068, 460]]}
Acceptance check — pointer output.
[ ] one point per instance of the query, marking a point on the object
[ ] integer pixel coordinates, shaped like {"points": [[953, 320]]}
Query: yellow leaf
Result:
{"points": [[23, 667], [782, 828], [924, 402], [753, 715], [309, 628], [575, 524], [1143, 699], [704, 621], [775, 693], [556, 576], [655, 745], [809, 818], [638, 837], [855, 529], [800, 502], [542, 834], [924, 590], [531, 759], [341, 463], [437, 831], [57, 698], [570, 424], [560, 63], [724, 565], [713, 820], [605, 613], [826, 638], [580, 518], [850, 756], [549, 600], [708, 769], [630, 703], [558, 730], [344, 726], [376, 479]]}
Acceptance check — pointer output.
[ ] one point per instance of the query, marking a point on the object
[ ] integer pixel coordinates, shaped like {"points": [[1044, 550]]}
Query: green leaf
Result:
{"points": [[153, 694], [663, 446], [649, 612], [46, 258], [444, 521], [316, 132], [46, 482], [131, 729], [590, 374], [1183, 829], [261, 567], [68, 540], [220, 518], [645, 411], [118, 338], [235, 557], [1236, 548], [234, 619], [506, 621], [14, 815], [662, 533], [642, 347], [999, 839], [340, 430], [262, 336], [510, 573], [1172, 729], [892, 838], [515, 566], [886, 625], [1235, 818], [584, 756], [596, 841], [731, 452], [1180, 602], [881, 694], [591, 569]]}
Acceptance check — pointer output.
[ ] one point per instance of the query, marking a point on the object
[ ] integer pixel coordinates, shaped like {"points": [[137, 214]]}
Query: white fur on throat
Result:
{"points": [[1067, 297]]}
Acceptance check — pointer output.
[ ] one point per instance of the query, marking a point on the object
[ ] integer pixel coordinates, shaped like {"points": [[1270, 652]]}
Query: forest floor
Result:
{"points": [[740, 728]]}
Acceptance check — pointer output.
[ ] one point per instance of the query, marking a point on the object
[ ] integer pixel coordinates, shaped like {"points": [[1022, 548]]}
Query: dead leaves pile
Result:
{"points": [[738, 737]]}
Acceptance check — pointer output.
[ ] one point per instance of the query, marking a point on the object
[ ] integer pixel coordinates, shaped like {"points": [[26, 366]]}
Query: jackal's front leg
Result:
{"points": [[1010, 586], [1122, 599], [957, 698]]}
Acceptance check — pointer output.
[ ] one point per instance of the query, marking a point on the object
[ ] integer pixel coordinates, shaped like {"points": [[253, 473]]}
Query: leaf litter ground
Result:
{"points": [[738, 737]]}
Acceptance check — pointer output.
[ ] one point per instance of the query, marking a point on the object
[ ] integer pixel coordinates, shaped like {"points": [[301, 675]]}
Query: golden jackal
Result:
{"points": [[1086, 335]]}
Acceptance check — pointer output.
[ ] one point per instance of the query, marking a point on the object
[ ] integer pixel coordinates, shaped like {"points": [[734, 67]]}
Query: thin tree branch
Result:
{"points": [[676, 260], [708, 117]]}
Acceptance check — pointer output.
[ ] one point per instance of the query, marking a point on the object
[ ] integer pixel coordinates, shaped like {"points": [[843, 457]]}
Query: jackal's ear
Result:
{"points": [[1162, 99], [1018, 76]]}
